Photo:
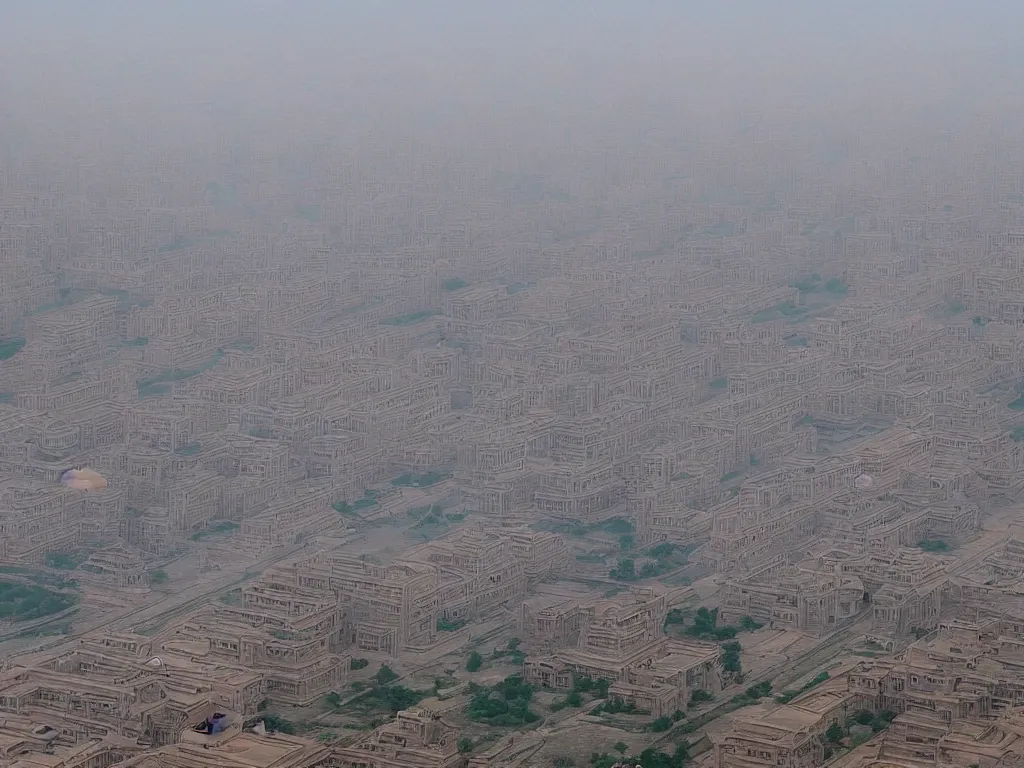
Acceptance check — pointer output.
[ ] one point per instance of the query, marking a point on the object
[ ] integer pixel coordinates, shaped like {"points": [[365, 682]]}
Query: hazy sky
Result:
{"points": [[271, 59]]}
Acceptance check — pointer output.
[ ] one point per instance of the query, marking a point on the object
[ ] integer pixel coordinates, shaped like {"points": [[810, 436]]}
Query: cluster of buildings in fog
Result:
{"points": [[712, 434]]}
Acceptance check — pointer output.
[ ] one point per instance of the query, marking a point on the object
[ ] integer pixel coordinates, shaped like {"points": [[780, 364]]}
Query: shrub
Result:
{"points": [[279, 724], [699, 696], [663, 723], [835, 733]]}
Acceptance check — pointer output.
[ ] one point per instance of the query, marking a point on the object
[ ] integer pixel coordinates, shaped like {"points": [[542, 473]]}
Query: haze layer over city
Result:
{"points": [[479, 385]]}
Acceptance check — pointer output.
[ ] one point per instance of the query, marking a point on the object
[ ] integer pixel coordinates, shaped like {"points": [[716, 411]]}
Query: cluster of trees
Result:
{"points": [[511, 651], [752, 695], [836, 733], [617, 706], [666, 557], [581, 686], [383, 695], [344, 508], [705, 624], [731, 658], [507, 703], [878, 721], [649, 758], [665, 722]]}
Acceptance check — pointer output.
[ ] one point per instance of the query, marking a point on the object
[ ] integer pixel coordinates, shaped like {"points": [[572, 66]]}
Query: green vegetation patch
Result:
{"points": [[25, 602], [138, 341], [383, 695], [787, 696], [504, 704], [807, 284], [952, 308], [617, 706], [786, 309], [649, 758], [368, 501], [426, 509], [414, 480], [64, 561], [703, 624], [934, 545], [665, 557], [450, 625], [836, 287], [223, 526], [453, 283], [10, 347], [155, 385], [409, 319], [878, 722]]}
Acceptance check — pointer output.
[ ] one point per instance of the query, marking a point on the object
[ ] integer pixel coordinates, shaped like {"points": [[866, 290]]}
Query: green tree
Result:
{"points": [[474, 662], [621, 747], [663, 723], [625, 570], [385, 675], [465, 745], [699, 696], [731, 657], [747, 624], [835, 733]]}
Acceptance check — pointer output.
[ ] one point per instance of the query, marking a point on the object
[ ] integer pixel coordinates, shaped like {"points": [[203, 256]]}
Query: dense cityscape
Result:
{"points": [[412, 427]]}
